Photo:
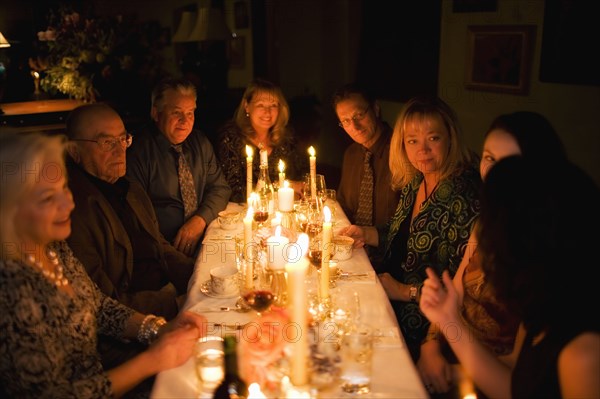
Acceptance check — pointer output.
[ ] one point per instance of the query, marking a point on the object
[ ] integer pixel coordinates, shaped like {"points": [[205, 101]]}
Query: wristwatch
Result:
{"points": [[412, 293]]}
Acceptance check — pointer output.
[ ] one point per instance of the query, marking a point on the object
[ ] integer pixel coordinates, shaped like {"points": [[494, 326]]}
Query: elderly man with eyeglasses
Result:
{"points": [[115, 232], [359, 116]]}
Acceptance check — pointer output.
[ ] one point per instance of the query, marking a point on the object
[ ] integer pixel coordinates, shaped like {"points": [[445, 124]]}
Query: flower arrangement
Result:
{"points": [[81, 57], [262, 349]]}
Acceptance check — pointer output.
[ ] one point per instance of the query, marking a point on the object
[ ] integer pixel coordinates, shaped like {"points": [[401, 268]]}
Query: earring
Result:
{"points": [[247, 115]]}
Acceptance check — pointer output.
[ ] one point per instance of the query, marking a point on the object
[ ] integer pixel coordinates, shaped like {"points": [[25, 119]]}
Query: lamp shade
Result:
{"points": [[186, 24], [3, 42], [210, 25]]}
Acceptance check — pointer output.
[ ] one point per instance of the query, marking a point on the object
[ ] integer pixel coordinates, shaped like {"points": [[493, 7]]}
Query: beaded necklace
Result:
{"points": [[56, 276]]}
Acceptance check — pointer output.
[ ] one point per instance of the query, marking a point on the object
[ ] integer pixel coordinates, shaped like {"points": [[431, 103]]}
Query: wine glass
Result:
{"points": [[260, 203], [315, 253], [258, 294], [321, 188]]}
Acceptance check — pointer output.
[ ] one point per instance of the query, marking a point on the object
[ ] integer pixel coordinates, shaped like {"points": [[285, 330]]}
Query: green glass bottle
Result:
{"points": [[232, 386]]}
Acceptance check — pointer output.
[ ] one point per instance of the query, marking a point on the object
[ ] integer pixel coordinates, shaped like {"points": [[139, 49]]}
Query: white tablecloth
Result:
{"points": [[394, 374]]}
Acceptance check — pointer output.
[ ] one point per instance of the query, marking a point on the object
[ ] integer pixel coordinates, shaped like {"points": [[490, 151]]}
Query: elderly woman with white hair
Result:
{"points": [[51, 312]]}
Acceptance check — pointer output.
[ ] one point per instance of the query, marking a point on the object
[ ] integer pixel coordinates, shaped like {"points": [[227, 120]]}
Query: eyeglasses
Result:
{"points": [[108, 144], [359, 116]]}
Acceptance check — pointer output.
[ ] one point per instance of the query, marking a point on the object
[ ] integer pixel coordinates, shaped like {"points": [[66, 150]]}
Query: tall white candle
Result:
{"points": [[281, 167], [285, 196], [325, 253], [249, 156], [313, 172], [249, 276], [298, 303], [277, 246]]}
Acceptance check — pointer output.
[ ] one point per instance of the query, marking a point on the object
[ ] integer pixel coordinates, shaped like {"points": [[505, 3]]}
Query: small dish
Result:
{"points": [[206, 289]]}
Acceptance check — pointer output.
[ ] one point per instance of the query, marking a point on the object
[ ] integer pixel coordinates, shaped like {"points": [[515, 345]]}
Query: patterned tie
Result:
{"points": [[186, 183], [364, 214]]}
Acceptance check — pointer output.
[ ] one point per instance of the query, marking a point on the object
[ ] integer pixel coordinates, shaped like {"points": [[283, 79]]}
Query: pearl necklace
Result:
{"points": [[56, 276]]}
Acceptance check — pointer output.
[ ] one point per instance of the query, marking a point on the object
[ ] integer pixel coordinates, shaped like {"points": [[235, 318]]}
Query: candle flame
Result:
{"points": [[278, 231], [303, 244], [311, 151], [249, 151], [286, 184], [36, 75], [254, 392], [250, 213], [281, 166], [326, 214]]}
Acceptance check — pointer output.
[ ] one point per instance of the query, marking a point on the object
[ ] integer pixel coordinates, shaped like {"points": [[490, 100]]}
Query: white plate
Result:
{"points": [[206, 289]]}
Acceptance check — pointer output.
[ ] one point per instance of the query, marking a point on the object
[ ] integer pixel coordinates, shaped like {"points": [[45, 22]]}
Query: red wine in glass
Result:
{"points": [[315, 256], [261, 216], [259, 300]]}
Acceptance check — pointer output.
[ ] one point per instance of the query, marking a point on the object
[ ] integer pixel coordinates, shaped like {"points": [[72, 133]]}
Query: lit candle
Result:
{"points": [[296, 272], [281, 168], [249, 155], [264, 156], [285, 196], [276, 221], [313, 172], [249, 277], [277, 246], [325, 253], [254, 392]]}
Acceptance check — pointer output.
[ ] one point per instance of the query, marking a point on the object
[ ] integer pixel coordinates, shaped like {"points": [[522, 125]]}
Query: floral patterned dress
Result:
{"points": [[231, 151], [437, 237], [48, 338]]}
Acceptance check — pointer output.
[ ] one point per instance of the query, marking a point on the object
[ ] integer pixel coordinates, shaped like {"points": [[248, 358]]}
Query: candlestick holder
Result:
{"points": [[278, 287], [288, 220]]}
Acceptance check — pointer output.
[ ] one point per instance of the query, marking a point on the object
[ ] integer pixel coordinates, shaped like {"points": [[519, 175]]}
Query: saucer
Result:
{"points": [[206, 289]]}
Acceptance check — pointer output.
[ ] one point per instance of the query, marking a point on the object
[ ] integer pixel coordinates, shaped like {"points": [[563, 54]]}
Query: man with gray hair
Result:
{"points": [[178, 168], [114, 228]]}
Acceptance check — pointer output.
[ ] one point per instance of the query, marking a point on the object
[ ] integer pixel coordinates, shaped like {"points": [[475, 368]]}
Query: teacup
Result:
{"points": [[343, 247], [224, 280], [228, 220]]}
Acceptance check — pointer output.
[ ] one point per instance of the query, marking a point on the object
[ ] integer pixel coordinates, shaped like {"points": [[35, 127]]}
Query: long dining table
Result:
{"points": [[394, 373]]}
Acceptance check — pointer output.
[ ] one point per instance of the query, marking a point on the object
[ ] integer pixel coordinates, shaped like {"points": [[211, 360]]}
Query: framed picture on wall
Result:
{"points": [[499, 58]]}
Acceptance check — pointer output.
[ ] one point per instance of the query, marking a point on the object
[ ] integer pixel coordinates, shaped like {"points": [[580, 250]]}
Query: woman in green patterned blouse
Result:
{"points": [[439, 183]]}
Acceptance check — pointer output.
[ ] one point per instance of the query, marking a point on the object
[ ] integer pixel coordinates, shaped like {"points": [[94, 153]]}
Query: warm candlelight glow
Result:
{"points": [[313, 173], [249, 154], [298, 303], [281, 167], [285, 196], [36, 75], [254, 392], [325, 254], [249, 276], [326, 214], [277, 246]]}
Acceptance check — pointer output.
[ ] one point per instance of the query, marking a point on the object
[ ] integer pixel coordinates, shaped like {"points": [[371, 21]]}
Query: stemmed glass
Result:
{"points": [[258, 295], [260, 203]]}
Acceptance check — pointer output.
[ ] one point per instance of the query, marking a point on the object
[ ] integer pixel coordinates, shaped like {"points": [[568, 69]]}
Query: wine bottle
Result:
{"points": [[232, 386], [264, 187]]}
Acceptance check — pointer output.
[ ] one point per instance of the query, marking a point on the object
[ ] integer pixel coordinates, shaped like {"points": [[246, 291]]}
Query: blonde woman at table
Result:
{"points": [[531, 136], [537, 242], [261, 122], [439, 186], [50, 311]]}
